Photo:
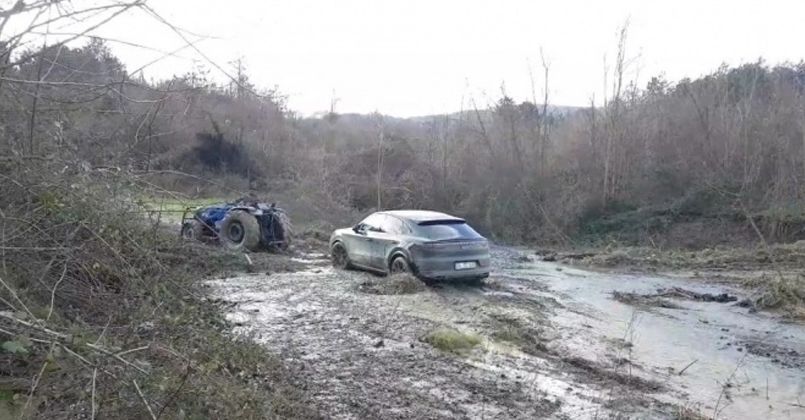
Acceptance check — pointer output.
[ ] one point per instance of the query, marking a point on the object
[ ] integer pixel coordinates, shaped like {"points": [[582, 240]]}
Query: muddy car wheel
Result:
{"points": [[240, 230], [340, 257], [400, 265]]}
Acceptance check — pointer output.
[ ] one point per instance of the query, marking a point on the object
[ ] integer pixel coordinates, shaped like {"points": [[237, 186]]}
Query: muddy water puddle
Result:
{"points": [[555, 344], [737, 364]]}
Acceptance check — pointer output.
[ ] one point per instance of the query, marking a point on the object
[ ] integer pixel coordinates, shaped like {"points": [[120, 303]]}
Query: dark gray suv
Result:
{"points": [[428, 244]]}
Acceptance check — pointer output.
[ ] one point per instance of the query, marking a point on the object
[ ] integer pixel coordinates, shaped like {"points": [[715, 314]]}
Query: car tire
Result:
{"points": [[340, 256], [240, 230], [399, 265]]}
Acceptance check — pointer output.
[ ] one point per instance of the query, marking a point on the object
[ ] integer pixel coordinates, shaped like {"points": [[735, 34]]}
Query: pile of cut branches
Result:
{"points": [[99, 315]]}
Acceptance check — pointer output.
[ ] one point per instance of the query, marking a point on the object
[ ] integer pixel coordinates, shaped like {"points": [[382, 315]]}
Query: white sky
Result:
{"points": [[407, 57]]}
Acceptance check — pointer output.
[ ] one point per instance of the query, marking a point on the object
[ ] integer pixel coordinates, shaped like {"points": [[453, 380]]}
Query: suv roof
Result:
{"points": [[421, 216]]}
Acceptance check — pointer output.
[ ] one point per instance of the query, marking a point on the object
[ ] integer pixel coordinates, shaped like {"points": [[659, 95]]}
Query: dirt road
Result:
{"points": [[554, 344]]}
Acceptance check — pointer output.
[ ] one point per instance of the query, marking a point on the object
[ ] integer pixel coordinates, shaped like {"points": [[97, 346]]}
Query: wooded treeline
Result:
{"points": [[700, 155], [724, 146]]}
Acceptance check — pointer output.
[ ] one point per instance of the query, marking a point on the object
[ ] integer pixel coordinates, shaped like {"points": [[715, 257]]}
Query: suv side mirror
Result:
{"points": [[358, 229]]}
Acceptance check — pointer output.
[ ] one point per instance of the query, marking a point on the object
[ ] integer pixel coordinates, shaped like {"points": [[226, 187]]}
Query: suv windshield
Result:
{"points": [[442, 230]]}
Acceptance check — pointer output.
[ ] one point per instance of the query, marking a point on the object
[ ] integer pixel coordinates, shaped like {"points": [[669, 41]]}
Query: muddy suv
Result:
{"points": [[429, 244]]}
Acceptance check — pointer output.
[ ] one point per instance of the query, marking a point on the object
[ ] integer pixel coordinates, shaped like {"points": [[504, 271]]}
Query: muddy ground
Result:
{"points": [[554, 341]]}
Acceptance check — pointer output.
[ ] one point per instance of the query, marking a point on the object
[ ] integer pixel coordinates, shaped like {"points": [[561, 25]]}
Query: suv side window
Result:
{"points": [[389, 226], [395, 226], [373, 223]]}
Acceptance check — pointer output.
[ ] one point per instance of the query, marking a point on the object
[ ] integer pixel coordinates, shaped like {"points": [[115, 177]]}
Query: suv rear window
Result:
{"points": [[442, 230]]}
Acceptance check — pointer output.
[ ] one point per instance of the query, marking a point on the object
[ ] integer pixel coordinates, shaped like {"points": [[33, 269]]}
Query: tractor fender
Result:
{"points": [[251, 210]]}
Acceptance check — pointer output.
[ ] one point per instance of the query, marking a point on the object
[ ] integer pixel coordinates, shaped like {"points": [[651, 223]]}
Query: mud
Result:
{"points": [[398, 284], [553, 344], [787, 357], [646, 301]]}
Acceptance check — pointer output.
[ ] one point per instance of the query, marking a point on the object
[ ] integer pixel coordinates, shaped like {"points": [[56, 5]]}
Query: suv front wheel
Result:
{"points": [[340, 256]]}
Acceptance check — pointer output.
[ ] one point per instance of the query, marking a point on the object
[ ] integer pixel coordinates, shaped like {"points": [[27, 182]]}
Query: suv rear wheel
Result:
{"points": [[399, 265]]}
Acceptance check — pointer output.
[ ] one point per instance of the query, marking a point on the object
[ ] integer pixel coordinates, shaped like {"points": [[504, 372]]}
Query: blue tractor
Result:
{"points": [[245, 224]]}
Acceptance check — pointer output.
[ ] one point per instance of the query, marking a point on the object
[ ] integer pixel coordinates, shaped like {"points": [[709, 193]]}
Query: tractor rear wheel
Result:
{"points": [[240, 230], [282, 231]]}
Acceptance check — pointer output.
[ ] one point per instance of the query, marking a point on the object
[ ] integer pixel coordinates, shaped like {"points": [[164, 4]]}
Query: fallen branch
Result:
{"points": [[115, 356], [53, 292], [64, 337], [175, 393], [144, 400], [94, 375], [38, 378], [133, 350], [45, 330], [686, 367]]}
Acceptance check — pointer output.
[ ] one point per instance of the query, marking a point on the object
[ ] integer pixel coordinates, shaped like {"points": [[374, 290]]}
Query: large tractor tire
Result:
{"points": [[283, 230], [240, 230]]}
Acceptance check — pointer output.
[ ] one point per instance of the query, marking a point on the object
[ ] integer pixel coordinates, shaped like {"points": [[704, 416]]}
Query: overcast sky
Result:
{"points": [[406, 58]]}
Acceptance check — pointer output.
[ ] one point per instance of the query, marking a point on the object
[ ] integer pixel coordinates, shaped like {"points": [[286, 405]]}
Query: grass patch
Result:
{"points": [[452, 341], [514, 331], [689, 412], [786, 293]]}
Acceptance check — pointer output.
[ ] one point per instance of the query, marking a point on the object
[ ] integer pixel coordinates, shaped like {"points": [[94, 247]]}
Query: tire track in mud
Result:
{"points": [[361, 355], [332, 335]]}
